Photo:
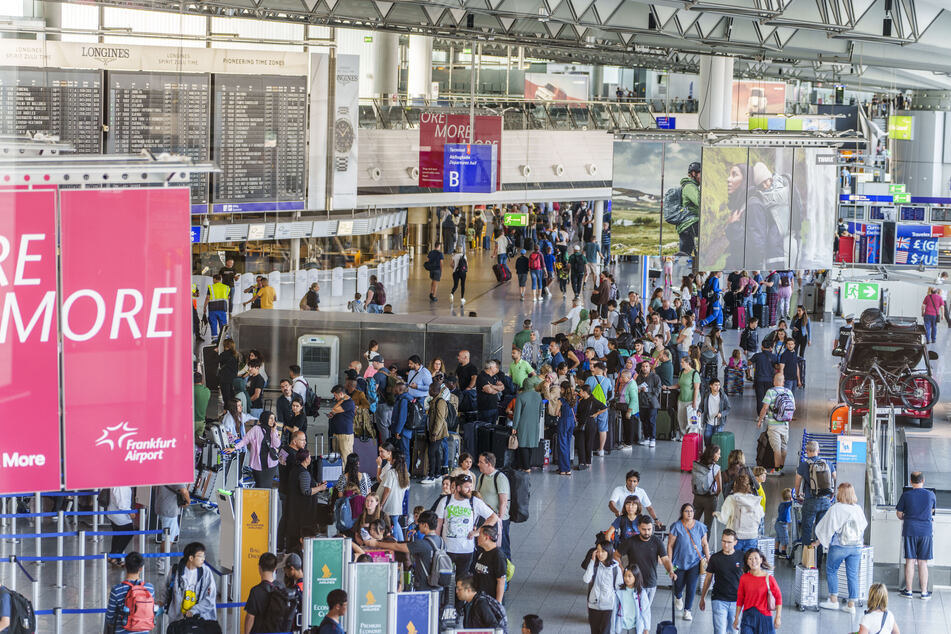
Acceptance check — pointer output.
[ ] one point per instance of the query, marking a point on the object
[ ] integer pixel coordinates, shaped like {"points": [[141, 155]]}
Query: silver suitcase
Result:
{"points": [[767, 546], [866, 562], [806, 590]]}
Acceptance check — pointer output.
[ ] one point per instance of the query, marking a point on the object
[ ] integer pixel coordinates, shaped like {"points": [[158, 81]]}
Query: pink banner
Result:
{"points": [[29, 395], [126, 311]]}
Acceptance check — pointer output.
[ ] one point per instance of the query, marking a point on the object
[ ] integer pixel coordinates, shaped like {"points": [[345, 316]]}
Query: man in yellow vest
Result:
{"points": [[196, 322], [216, 304]]}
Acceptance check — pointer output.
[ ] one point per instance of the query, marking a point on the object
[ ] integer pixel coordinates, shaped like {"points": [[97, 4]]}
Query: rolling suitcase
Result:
{"points": [[495, 440], [767, 546], [209, 362], [668, 627], [734, 381], [764, 452], [366, 449], [727, 443], [740, 322], [690, 451], [663, 425], [502, 273], [866, 562], [806, 590]]}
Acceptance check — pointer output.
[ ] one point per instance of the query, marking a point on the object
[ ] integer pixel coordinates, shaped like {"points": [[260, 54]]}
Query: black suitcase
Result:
{"points": [[467, 433], [493, 439], [502, 273], [802, 371], [764, 452], [537, 457], [209, 361]]}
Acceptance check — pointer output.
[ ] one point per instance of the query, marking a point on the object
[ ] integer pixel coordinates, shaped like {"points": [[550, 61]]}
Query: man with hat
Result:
{"points": [[690, 199]]}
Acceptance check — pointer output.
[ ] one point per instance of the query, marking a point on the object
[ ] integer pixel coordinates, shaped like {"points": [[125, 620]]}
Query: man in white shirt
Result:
{"points": [[598, 342], [299, 384], [457, 522], [495, 490], [501, 244], [632, 479], [573, 316]]}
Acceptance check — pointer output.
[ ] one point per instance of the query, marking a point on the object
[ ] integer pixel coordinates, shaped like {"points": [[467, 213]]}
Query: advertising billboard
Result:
{"points": [[29, 361], [723, 191], [916, 245], [127, 384], [751, 98], [900, 127], [636, 198], [815, 185], [676, 238], [556, 87], [436, 130]]}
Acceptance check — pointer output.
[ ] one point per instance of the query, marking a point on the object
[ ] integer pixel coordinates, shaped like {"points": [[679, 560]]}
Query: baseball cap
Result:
{"points": [[351, 374], [522, 251], [293, 561], [577, 247]]}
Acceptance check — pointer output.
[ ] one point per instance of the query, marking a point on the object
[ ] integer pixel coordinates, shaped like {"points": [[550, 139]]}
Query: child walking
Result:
{"points": [[783, 520]]}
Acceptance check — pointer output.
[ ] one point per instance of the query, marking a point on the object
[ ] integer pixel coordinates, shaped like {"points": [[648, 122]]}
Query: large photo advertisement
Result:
{"points": [[813, 209], [723, 189], [636, 198], [770, 233], [754, 98], [678, 234]]}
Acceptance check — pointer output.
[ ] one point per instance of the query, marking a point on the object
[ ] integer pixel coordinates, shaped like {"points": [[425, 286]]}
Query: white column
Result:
{"points": [[379, 59], [295, 254], [716, 92], [598, 220], [386, 60], [420, 73]]}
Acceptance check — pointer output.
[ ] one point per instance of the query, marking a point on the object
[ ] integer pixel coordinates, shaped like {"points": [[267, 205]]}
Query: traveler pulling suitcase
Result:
{"points": [[668, 627], [806, 590], [690, 451]]}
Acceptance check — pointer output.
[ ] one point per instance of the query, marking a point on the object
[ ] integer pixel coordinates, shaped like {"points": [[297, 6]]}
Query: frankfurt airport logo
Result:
{"points": [[121, 437]]}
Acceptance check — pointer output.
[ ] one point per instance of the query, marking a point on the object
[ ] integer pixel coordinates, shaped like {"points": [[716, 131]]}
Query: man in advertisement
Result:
{"points": [[687, 230]]}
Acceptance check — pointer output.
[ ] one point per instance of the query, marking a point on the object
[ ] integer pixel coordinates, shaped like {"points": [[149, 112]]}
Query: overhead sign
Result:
{"points": [[862, 290], [916, 245], [368, 600], [29, 359], [851, 449], [666, 123], [196, 234], [515, 219], [901, 198], [897, 188], [899, 127], [469, 168], [436, 130], [325, 561], [127, 383]]}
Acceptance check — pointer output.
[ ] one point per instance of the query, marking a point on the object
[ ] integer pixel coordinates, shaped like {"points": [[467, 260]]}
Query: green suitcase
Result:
{"points": [[663, 425], [726, 442]]}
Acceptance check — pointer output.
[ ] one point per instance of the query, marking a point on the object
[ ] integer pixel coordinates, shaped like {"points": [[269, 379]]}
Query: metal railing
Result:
{"points": [[518, 113]]}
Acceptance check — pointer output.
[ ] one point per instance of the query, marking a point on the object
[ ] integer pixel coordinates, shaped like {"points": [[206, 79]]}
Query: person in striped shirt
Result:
{"points": [[116, 615]]}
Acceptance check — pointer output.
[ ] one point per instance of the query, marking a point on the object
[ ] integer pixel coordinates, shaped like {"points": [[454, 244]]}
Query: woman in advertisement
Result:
{"points": [[736, 220], [767, 223]]}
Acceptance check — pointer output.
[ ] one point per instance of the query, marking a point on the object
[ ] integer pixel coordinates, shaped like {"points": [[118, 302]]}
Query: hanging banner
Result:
{"points": [[28, 343], [127, 336], [346, 122], [368, 609], [413, 610], [469, 168], [324, 567], [255, 526], [916, 245], [436, 130]]}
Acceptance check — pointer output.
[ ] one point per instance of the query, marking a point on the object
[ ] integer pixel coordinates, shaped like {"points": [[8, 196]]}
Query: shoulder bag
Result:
{"points": [[703, 560], [770, 599]]}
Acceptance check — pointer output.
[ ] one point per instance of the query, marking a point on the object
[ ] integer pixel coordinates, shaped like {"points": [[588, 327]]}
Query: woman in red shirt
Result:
{"points": [[752, 600]]}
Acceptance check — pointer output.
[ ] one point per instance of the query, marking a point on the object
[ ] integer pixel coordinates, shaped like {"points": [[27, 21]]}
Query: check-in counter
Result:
{"points": [[885, 536]]}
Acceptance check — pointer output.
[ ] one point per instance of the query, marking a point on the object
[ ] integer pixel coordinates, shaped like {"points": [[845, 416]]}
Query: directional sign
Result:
{"points": [[862, 290], [469, 168], [897, 189], [515, 219], [196, 234], [901, 198]]}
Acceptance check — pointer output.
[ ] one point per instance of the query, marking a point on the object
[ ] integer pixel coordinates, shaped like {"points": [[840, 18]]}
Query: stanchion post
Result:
{"points": [[36, 593], [37, 524], [58, 615], [3, 510], [95, 517], [225, 599], [82, 577], [104, 578], [60, 521], [142, 525], [13, 522], [13, 573]]}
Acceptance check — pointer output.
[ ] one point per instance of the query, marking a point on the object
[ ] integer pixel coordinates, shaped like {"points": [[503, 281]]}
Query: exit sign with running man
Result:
{"points": [[862, 290]]}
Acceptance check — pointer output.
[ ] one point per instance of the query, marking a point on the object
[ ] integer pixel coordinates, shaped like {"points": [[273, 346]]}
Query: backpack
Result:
{"points": [[379, 294], [498, 612], [599, 393], [520, 494], [140, 608], [850, 535], [389, 393], [343, 517], [784, 279], [702, 479], [105, 496], [708, 292], [746, 521], [535, 261], [311, 402], [820, 478], [281, 610], [442, 569], [363, 423], [372, 395], [463, 265], [673, 206], [783, 406], [745, 339], [22, 617], [452, 417]]}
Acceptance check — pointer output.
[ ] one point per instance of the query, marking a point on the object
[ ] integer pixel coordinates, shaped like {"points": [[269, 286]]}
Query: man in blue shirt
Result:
{"points": [[762, 363], [116, 614], [711, 291], [790, 361], [916, 509], [336, 609], [419, 378]]}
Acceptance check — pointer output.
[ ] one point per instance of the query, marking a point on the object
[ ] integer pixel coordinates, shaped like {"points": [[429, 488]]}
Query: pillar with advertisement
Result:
{"points": [[325, 569], [371, 585], [415, 612], [255, 515]]}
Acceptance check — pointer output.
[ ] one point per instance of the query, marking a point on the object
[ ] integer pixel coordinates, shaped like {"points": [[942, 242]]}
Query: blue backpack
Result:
{"points": [[372, 396], [343, 515]]}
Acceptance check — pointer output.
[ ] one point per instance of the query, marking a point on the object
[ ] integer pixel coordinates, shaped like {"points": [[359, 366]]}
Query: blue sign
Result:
{"points": [[196, 234], [229, 208], [666, 123], [870, 241], [469, 168], [412, 612], [851, 449], [915, 245]]}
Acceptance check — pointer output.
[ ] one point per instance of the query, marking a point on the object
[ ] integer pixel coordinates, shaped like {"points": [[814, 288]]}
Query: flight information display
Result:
{"points": [[161, 112], [59, 102], [259, 142]]}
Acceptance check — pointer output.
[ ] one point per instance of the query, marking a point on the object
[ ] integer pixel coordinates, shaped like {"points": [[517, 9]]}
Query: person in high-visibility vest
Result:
{"points": [[196, 322], [216, 304]]}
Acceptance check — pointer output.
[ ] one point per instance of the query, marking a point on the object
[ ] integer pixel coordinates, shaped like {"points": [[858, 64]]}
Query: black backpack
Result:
{"points": [[280, 614], [22, 617], [452, 417], [498, 612]]}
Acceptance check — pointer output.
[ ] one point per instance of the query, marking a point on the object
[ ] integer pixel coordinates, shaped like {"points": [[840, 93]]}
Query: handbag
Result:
{"points": [[703, 560], [770, 599], [513, 442]]}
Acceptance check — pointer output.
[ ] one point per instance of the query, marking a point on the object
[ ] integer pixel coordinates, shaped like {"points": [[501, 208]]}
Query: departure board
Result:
{"points": [[161, 112], [259, 139], [64, 103]]}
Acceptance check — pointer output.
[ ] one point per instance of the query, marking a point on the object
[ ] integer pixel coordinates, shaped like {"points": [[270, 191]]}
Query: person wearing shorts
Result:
{"points": [[776, 431], [915, 509]]}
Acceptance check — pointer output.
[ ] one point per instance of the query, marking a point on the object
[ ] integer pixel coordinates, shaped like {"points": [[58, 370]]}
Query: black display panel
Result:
{"points": [[161, 112], [64, 103], [259, 141]]}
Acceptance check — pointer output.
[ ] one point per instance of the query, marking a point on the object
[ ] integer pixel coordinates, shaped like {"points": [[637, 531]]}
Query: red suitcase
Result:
{"points": [[740, 318], [690, 451], [702, 312], [502, 273]]}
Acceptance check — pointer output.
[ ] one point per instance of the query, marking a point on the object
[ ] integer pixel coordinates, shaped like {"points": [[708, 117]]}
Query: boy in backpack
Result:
{"points": [[258, 605], [815, 501], [131, 606], [779, 406], [480, 610]]}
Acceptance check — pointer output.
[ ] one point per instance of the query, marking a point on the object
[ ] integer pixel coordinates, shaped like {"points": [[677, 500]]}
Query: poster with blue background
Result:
{"points": [[915, 245]]}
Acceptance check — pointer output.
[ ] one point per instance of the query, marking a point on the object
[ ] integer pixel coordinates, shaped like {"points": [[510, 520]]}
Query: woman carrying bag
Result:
{"points": [[841, 532], [263, 441], [742, 512], [757, 597], [689, 552]]}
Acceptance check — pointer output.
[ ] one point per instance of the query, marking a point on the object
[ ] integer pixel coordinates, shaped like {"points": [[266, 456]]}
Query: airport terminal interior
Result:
{"points": [[608, 316]]}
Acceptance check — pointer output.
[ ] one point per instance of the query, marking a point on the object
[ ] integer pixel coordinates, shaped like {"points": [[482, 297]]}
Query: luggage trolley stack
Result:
{"points": [[828, 446]]}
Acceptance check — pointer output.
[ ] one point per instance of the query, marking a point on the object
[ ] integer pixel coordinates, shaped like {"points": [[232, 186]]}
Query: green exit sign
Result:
{"points": [[901, 198], [367, 38], [897, 189], [862, 290], [516, 219]]}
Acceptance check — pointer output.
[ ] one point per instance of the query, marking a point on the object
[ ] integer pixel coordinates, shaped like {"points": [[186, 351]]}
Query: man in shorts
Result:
{"points": [[777, 431], [916, 509]]}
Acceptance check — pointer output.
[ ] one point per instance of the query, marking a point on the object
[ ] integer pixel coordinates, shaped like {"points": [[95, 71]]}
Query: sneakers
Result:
{"points": [[450, 298], [687, 615], [775, 472], [653, 443], [599, 454], [925, 596], [829, 605], [462, 302], [432, 299], [644, 443], [908, 594], [678, 603], [428, 480], [848, 608]]}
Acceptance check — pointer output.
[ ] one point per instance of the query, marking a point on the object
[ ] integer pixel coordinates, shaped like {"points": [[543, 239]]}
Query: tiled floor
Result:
{"points": [[566, 512]]}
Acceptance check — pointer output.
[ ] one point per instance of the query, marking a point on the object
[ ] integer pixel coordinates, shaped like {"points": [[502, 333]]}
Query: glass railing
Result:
{"points": [[401, 113]]}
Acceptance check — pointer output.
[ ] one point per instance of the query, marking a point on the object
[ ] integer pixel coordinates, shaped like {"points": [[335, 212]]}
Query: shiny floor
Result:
{"points": [[565, 512]]}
